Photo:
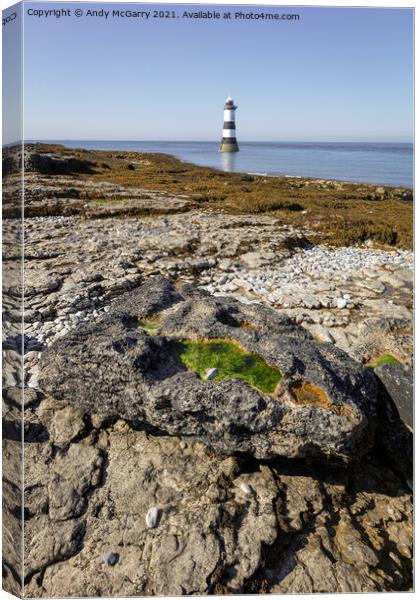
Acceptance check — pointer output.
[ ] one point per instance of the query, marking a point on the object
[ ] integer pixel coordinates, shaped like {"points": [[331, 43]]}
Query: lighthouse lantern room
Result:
{"points": [[229, 143]]}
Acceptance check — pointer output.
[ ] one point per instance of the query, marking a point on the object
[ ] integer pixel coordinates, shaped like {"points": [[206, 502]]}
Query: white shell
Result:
{"points": [[247, 489], [152, 517], [211, 373]]}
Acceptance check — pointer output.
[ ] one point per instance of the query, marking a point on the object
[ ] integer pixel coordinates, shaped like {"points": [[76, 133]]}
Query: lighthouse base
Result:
{"points": [[229, 146]]}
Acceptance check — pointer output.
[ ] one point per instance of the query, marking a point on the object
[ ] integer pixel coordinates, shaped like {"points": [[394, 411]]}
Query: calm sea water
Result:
{"points": [[384, 164]]}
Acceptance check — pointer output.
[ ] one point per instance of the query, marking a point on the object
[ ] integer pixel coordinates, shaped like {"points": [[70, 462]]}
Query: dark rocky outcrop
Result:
{"points": [[114, 369], [10, 162], [395, 417], [36, 159], [398, 382], [51, 164]]}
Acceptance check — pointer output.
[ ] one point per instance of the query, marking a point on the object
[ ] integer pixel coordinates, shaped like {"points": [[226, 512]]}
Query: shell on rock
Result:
{"points": [[211, 373], [245, 487], [152, 517]]}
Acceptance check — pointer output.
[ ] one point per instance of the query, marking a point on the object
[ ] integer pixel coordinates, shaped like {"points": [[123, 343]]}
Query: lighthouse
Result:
{"points": [[229, 143]]}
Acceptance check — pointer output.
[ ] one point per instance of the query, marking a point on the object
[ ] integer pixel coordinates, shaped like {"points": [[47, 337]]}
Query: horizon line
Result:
{"points": [[314, 141]]}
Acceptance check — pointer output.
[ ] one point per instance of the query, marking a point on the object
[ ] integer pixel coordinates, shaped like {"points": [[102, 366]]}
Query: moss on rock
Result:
{"points": [[384, 359], [231, 361]]}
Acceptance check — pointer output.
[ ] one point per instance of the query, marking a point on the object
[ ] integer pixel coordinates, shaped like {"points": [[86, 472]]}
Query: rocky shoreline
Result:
{"points": [[225, 517]]}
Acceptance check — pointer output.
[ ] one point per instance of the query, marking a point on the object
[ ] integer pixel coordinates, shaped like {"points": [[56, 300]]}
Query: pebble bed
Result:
{"points": [[76, 268], [317, 277]]}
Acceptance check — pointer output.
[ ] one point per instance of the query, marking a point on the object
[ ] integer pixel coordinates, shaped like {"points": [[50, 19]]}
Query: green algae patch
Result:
{"points": [[149, 326], [384, 359], [231, 361]]}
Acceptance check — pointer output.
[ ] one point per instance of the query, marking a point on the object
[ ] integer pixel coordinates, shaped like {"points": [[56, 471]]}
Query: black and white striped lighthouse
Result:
{"points": [[229, 143]]}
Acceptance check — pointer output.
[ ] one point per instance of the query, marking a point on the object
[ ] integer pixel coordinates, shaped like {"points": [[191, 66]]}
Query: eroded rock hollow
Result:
{"points": [[322, 406]]}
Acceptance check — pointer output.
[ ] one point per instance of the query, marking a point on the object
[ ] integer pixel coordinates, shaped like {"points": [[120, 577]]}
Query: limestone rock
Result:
{"points": [[302, 529], [71, 479], [199, 540], [64, 422], [323, 405], [51, 543], [227, 525]]}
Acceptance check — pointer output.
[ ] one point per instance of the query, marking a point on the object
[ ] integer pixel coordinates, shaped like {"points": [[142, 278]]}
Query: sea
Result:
{"points": [[379, 163]]}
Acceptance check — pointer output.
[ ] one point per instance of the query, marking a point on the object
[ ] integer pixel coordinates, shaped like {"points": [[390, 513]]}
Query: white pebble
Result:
{"points": [[247, 489], [152, 517]]}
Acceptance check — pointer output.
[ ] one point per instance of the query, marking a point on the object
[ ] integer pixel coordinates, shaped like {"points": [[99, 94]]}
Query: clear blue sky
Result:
{"points": [[336, 74]]}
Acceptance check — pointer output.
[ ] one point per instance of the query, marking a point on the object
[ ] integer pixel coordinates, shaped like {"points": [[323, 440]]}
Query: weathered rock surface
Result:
{"points": [[394, 434], [221, 525], [225, 525], [58, 184], [398, 382], [114, 369], [104, 258]]}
